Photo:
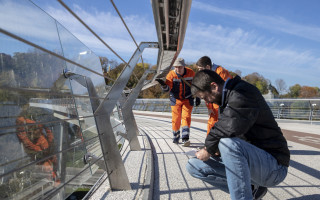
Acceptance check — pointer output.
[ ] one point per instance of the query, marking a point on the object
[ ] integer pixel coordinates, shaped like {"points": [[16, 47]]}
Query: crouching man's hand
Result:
{"points": [[203, 154]]}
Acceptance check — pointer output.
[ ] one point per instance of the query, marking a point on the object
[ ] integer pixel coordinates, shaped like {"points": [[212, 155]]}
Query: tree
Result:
{"points": [[318, 89], [104, 63], [259, 81], [294, 91], [193, 67], [154, 92], [281, 86], [137, 73], [308, 92]]}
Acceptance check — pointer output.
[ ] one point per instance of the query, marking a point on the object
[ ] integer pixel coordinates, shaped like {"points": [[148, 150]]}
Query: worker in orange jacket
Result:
{"points": [[178, 82], [213, 109], [36, 143]]}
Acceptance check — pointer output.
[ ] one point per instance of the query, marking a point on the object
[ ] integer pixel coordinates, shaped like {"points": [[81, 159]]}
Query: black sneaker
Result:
{"points": [[185, 142], [258, 192]]}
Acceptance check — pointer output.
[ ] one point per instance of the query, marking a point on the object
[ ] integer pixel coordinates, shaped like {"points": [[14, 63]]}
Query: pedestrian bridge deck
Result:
{"points": [[158, 171]]}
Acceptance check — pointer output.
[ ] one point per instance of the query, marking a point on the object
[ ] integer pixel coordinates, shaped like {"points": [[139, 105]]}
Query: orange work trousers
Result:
{"points": [[181, 115]]}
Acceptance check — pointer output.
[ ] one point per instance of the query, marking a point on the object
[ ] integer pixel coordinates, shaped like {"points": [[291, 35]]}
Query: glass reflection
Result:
{"points": [[30, 70], [89, 128], [82, 181], [76, 51], [38, 180], [38, 143], [46, 120], [26, 20]]}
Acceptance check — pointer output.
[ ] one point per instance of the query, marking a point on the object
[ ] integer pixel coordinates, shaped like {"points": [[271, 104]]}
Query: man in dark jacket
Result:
{"points": [[245, 150]]}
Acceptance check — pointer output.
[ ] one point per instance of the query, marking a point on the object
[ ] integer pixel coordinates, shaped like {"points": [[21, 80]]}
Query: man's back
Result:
{"points": [[245, 114], [246, 138]]}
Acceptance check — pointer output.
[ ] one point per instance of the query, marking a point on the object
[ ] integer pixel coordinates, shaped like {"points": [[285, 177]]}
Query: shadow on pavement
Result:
{"points": [[304, 152], [307, 197], [305, 169]]}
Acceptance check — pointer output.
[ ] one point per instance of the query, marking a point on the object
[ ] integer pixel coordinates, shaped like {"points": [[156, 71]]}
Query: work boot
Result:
{"points": [[176, 137], [186, 142], [185, 136], [176, 140], [258, 192]]}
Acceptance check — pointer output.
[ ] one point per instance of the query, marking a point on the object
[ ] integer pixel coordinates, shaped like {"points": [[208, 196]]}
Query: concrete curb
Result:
{"points": [[149, 177]]}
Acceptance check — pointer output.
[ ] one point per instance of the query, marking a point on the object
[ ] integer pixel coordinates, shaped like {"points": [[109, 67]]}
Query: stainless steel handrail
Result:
{"points": [[282, 108]]}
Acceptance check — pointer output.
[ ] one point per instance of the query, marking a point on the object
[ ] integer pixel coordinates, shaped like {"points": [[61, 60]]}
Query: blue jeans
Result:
{"points": [[241, 164]]}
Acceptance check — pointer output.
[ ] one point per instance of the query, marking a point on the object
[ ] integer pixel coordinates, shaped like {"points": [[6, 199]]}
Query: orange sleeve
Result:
{"points": [[214, 108], [223, 73], [22, 135], [49, 134], [213, 118], [43, 142]]}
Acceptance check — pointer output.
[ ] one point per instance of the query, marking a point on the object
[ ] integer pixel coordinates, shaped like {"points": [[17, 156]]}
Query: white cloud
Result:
{"points": [[277, 23], [249, 52], [109, 27], [27, 21]]}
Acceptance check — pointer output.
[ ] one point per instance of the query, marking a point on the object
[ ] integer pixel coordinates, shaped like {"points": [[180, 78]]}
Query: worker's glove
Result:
{"points": [[198, 101], [161, 82]]}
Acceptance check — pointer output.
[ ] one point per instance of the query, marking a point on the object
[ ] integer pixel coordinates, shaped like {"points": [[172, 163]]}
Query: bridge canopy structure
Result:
{"points": [[171, 19]]}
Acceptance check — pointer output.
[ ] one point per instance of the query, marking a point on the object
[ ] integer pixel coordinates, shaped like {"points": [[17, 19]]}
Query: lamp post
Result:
{"points": [[280, 110], [311, 110]]}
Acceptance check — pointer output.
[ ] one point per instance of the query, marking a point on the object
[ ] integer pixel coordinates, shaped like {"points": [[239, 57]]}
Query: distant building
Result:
{"points": [[269, 95]]}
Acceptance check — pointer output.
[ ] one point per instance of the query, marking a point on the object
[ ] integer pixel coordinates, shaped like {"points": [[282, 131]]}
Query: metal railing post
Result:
{"points": [[128, 117], [117, 175], [112, 159]]}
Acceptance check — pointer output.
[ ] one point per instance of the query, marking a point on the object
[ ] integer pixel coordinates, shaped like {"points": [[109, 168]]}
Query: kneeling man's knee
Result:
{"points": [[193, 167], [229, 145]]}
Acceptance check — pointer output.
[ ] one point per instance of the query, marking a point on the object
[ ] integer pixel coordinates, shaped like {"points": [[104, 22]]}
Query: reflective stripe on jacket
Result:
{"points": [[179, 89]]}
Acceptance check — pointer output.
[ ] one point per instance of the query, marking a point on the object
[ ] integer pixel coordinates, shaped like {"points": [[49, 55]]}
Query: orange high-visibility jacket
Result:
{"points": [[214, 108], [42, 142], [178, 89], [181, 99]]}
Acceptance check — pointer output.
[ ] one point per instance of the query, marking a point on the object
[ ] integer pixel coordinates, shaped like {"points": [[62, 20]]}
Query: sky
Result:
{"points": [[277, 39]]}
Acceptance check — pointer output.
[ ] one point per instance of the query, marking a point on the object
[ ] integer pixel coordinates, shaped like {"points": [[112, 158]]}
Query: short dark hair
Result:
{"points": [[204, 61], [203, 79]]}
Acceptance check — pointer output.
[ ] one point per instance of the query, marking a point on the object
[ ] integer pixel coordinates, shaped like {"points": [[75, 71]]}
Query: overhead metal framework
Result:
{"points": [[171, 18]]}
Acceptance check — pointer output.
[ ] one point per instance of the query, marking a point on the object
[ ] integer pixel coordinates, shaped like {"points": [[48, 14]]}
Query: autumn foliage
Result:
{"points": [[256, 79]]}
